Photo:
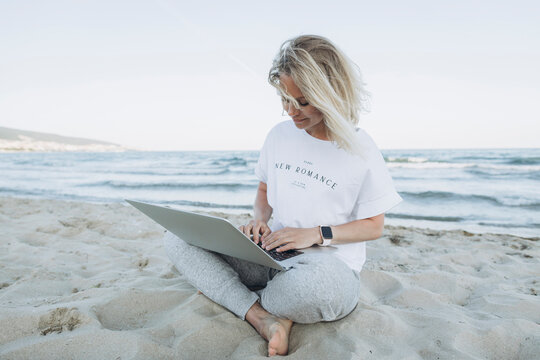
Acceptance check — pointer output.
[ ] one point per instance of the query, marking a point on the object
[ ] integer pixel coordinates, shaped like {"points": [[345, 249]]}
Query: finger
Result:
{"points": [[288, 246], [277, 242], [267, 239], [256, 231], [255, 237], [277, 238], [266, 232], [274, 235], [247, 230], [270, 240]]}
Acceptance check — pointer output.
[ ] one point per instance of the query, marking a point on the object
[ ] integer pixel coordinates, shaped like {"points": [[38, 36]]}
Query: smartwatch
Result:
{"points": [[326, 235]]}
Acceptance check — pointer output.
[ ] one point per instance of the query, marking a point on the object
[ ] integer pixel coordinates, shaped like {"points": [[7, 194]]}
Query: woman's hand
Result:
{"points": [[292, 238], [258, 228]]}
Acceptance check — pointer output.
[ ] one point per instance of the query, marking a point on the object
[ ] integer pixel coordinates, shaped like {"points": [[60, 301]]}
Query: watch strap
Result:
{"points": [[326, 235]]}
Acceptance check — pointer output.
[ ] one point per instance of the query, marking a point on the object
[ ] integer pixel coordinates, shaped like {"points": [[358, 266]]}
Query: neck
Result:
{"points": [[321, 134]]}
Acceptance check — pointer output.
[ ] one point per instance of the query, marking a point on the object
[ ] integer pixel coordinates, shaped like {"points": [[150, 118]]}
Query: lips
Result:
{"points": [[299, 120]]}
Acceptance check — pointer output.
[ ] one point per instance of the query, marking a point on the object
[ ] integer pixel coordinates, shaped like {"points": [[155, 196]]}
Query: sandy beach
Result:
{"points": [[92, 281]]}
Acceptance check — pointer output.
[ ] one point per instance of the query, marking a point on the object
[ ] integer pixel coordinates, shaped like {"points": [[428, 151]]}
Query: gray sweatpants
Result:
{"points": [[318, 288]]}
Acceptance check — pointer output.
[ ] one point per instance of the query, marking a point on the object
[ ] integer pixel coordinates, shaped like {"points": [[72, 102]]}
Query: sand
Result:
{"points": [[92, 281]]}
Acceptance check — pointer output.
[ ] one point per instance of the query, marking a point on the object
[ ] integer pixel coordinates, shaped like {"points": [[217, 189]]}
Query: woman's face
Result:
{"points": [[306, 118]]}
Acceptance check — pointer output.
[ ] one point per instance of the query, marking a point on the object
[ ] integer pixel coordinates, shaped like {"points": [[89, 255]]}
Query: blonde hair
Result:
{"points": [[329, 81]]}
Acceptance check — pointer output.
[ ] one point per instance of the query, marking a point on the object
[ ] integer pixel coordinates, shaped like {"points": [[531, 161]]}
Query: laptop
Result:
{"points": [[217, 234]]}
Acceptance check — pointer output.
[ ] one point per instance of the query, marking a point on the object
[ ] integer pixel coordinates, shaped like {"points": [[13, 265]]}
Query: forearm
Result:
{"points": [[300, 238], [358, 230], [261, 209]]}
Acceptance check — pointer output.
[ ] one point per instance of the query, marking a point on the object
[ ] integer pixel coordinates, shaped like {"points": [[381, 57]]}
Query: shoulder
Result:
{"points": [[366, 139], [370, 150]]}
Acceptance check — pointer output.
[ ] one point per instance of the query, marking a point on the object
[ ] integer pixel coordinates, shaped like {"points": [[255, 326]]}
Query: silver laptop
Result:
{"points": [[219, 235]]}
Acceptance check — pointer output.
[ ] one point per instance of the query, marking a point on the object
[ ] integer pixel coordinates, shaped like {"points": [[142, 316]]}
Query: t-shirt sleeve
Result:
{"points": [[377, 192], [261, 170]]}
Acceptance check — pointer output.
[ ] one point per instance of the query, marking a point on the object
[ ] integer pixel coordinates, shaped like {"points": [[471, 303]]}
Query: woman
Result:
{"points": [[324, 181]]}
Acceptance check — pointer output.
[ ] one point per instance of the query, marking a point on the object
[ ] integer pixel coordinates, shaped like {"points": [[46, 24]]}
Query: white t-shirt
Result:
{"points": [[311, 182]]}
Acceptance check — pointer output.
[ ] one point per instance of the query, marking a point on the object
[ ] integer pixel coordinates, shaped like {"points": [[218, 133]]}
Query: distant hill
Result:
{"points": [[22, 140]]}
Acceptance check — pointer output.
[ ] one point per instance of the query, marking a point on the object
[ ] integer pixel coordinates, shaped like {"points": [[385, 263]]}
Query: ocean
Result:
{"points": [[477, 190]]}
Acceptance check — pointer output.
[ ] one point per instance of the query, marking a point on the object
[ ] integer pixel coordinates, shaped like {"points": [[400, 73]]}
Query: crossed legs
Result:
{"points": [[318, 288]]}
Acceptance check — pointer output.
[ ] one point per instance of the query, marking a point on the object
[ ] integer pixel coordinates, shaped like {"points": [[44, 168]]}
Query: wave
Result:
{"points": [[49, 194], [23, 192], [208, 205], [97, 199], [167, 185], [429, 165], [231, 161], [39, 164], [424, 217], [470, 198], [532, 206], [527, 226], [524, 161], [410, 159], [480, 169], [197, 172], [509, 168], [446, 195], [518, 172], [478, 157]]}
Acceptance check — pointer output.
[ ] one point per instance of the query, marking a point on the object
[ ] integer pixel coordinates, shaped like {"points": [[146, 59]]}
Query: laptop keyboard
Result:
{"points": [[279, 256]]}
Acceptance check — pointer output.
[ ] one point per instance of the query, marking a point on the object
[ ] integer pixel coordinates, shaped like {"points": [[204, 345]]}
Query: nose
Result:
{"points": [[291, 110]]}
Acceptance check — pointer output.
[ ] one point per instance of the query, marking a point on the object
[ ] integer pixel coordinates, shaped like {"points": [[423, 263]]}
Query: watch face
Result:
{"points": [[326, 232]]}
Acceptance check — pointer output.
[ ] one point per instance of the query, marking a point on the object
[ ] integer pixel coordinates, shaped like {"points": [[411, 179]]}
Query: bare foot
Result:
{"points": [[275, 330]]}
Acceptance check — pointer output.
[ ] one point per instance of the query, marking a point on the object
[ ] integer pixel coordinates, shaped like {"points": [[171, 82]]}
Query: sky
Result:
{"points": [[186, 75]]}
